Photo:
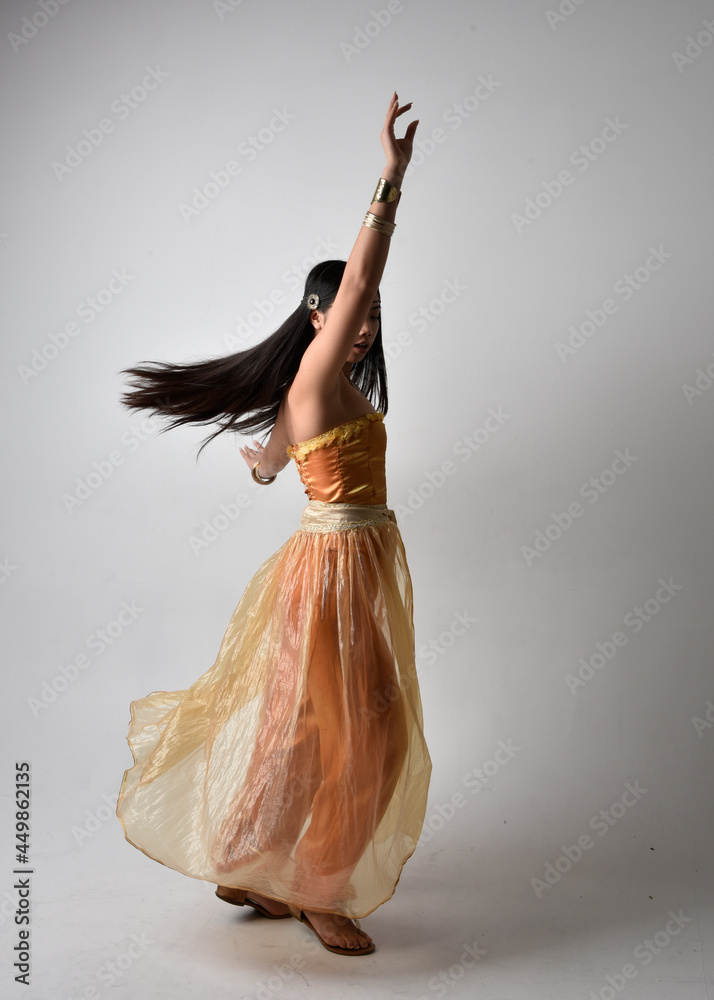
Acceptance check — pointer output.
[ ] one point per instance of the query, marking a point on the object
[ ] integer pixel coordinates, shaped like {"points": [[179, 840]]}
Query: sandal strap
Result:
{"points": [[295, 910]]}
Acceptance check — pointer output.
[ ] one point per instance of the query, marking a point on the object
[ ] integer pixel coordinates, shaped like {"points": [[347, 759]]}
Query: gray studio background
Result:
{"points": [[547, 319]]}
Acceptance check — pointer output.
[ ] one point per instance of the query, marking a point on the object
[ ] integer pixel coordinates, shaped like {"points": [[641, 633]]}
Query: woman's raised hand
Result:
{"points": [[399, 151]]}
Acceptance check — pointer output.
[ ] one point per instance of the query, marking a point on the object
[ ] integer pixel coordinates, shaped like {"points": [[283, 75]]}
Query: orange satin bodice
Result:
{"points": [[345, 464]]}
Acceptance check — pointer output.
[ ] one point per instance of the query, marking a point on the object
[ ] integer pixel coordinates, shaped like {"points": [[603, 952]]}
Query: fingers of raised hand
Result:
{"points": [[394, 112], [401, 110], [390, 113]]}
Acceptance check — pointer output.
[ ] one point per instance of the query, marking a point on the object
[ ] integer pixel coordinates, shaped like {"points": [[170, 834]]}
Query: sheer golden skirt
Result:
{"points": [[295, 766]]}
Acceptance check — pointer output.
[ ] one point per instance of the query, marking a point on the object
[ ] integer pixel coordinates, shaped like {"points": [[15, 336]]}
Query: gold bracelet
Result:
{"points": [[258, 478], [386, 191], [380, 225]]}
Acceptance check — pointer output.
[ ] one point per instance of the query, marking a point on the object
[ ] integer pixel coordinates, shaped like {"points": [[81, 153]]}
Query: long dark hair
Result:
{"points": [[242, 392]]}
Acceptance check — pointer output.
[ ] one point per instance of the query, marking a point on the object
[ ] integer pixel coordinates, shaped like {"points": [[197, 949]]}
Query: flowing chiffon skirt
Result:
{"points": [[295, 766]]}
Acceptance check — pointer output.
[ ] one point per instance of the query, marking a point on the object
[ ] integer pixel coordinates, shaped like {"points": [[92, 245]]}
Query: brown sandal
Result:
{"points": [[301, 916], [241, 900]]}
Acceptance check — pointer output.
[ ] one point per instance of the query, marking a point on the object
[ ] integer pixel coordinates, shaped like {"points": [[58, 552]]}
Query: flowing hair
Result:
{"points": [[242, 392]]}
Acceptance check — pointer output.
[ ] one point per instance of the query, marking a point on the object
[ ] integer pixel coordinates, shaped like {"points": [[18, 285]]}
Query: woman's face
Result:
{"points": [[367, 333]]}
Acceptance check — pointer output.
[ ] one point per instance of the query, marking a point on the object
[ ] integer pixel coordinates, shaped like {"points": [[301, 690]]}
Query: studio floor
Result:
{"points": [[461, 923]]}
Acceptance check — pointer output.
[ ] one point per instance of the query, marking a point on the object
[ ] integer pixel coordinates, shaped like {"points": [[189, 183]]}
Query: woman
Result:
{"points": [[294, 773]]}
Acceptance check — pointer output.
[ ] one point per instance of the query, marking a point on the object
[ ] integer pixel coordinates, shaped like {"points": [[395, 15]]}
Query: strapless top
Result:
{"points": [[345, 464]]}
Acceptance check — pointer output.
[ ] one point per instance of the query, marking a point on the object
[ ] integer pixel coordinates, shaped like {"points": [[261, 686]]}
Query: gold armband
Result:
{"points": [[386, 191]]}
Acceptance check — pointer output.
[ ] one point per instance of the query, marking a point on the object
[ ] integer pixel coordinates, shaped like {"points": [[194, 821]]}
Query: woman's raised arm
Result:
{"points": [[326, 355]]}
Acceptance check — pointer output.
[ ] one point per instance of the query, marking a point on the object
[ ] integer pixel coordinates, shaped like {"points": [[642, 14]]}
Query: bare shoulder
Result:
{"points": [[305, 415], [299, 412]]}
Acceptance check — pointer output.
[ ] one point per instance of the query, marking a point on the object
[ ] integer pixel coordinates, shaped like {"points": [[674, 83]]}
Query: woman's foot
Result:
{"points": [[336, 929], [271, 905]]}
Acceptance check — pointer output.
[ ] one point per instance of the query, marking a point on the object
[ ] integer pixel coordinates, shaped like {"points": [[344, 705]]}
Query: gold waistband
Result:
{"points": [[321, 515]]}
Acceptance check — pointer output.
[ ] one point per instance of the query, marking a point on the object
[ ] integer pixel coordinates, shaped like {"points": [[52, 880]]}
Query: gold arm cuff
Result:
{"points": [[386, 191]]}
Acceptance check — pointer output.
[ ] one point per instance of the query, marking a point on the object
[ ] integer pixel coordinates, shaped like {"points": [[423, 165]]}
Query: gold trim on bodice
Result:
{"points": [[343, 432]]}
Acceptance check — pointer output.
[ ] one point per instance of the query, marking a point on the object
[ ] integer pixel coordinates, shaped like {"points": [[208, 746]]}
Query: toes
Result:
{"points": [[342, 933], [360, 940]]}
